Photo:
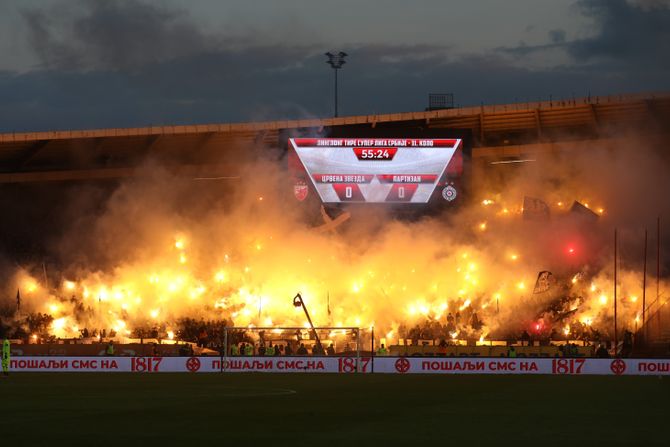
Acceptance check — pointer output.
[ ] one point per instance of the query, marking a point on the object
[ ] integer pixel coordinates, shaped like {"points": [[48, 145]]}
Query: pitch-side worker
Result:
{"points": [[5, 357]]}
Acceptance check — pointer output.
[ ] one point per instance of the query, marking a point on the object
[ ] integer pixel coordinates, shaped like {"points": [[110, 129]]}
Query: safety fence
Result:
{"points": [[365, 365]]}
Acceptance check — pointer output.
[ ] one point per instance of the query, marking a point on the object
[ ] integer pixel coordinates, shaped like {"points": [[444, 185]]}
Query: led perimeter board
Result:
{"points": [[405, 170]]}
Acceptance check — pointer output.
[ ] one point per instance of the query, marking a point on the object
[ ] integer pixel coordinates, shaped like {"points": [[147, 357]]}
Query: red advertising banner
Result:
{"points": [[382, 365]]}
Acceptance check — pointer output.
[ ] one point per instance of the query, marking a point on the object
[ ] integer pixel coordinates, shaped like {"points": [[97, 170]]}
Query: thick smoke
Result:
{"points": [[162, 248]]}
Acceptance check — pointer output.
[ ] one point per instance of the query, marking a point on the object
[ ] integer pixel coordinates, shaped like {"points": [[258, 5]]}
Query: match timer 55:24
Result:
{"points": [[376, 153]]}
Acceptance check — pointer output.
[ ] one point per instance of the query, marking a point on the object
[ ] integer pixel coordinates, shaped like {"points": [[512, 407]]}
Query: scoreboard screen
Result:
{"points": [[376, 170]]}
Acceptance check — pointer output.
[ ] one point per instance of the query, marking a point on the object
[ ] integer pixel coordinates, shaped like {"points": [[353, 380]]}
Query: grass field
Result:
{"points": [[308, 409]]}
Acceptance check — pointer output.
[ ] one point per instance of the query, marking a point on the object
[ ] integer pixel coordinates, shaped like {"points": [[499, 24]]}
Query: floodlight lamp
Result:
{"points": [[336, 60]]}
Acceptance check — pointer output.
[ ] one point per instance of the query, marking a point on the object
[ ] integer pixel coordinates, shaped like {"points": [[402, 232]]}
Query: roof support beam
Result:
{"points": [[538, 124], [31, 153], [260, 136], [482, 136], [594, 118]]}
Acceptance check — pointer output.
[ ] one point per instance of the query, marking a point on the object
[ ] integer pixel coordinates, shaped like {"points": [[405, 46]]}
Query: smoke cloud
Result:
{"points": [[161, 248]]}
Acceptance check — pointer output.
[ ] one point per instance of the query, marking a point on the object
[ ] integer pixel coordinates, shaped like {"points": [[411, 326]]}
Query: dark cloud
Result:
{"points": [[630, 36], [112, 34], [557, 36], [629, 33], [52, 52], [129, 63], [522, 50]]}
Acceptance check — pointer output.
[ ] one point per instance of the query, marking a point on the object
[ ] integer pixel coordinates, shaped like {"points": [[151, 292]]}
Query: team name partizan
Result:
{"points": [[406, 179]]}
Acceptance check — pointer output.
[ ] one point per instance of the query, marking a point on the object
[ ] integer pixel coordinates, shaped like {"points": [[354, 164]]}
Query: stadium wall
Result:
{"points": [[344, 365]]}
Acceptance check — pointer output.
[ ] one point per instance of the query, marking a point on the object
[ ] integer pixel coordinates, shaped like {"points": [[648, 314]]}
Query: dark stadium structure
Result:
{"points": [[46, 164], [500, 133]]}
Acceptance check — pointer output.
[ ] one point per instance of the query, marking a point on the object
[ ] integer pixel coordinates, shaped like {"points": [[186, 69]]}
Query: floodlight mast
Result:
{"points": [[298, 302], [336, 61]]}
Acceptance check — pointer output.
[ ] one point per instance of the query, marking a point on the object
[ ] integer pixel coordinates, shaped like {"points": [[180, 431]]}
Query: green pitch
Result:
{"points": [[307, 409]]}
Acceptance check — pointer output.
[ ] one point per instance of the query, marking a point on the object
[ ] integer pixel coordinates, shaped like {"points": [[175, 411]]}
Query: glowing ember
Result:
{"points": [[58, 324], [30, 286]]}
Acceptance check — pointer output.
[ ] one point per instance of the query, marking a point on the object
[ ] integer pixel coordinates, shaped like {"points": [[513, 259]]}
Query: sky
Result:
{"points": [[77, 64]]}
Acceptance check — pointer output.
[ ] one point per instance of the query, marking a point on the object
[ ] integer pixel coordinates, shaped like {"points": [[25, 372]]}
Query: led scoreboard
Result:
{"points": [[377, 170]]}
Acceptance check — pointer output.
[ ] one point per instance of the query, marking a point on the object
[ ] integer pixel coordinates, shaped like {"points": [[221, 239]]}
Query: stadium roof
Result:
{"points": [[216, 149]]}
